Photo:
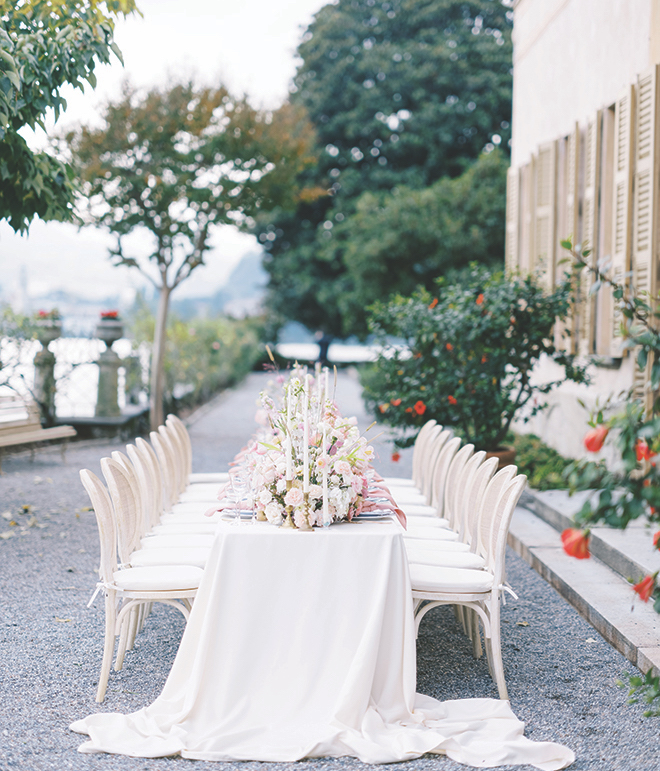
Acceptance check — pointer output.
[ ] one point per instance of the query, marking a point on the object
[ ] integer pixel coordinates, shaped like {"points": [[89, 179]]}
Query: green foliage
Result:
{"points": [[402, 95], [466, 357], [202, 356], [45, 45], [543, 466], [646, 689]]}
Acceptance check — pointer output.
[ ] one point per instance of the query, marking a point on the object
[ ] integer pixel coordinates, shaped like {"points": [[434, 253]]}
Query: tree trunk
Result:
{"points": [[156, 416]]}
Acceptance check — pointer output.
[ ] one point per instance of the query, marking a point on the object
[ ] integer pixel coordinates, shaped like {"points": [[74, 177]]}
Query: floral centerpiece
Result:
{"points": [[309, 463]]}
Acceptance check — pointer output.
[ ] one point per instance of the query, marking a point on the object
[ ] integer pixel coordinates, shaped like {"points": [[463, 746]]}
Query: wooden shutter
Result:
{"points": [[645, 202], [511, 261], [544, 215], [622, 203], [590, 218], [569, 328], [526, 233]]}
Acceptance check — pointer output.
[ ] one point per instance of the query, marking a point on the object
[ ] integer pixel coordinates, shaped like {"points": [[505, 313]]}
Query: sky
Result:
{"points": [[247, 44]]}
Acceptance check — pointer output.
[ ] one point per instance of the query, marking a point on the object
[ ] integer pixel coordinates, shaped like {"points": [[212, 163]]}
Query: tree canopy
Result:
{"points": [[45, 45], [175, 162], [402, 93]]}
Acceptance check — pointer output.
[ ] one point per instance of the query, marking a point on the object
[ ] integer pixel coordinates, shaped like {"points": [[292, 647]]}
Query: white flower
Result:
{"points": [[315, 492], [280, 485], [294, 497], [265, 496], [274, 513]]}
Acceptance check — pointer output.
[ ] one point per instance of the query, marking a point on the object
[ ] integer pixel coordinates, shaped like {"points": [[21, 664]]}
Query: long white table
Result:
{"points": [[302, 645]]}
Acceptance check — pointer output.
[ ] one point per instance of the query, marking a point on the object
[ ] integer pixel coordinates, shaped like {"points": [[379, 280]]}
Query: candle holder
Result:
{"points": [[306, 527], [288, 523]]}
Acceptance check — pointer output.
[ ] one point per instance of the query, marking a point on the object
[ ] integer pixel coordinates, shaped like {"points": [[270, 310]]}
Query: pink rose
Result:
{"points": [[294, 497]]}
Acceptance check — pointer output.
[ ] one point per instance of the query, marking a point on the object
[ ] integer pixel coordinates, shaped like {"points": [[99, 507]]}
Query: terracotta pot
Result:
{"points": [[506, 455]]}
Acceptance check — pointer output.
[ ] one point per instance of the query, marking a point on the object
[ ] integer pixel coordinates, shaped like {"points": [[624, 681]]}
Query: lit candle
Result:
{"points": [[306, 435]]}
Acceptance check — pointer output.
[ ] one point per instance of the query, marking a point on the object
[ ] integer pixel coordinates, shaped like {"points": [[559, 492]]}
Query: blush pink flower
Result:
{"points": [[294, 497]]}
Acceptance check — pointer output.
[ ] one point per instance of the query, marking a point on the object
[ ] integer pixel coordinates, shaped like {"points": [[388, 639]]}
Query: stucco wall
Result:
{"points": [[572, 57]]}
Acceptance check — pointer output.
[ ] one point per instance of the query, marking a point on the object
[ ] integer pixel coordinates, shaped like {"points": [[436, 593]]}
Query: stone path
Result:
{"points": [[560, 672]]}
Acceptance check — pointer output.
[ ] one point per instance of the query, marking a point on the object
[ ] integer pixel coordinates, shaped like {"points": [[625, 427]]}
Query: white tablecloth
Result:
{"points": [[302, 645]]}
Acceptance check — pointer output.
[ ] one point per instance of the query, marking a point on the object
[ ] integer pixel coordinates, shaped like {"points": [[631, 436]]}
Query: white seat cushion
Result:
{"points": [[431, 578], [173, 556], [163, 579], [203, 493], [432, 533], [403, 496], [399, 482], [193, 507], [192, 528], [443, 558], [455, 546], [422, 509], [197, 518], [208, 477], [175, 541], [418, 520]]}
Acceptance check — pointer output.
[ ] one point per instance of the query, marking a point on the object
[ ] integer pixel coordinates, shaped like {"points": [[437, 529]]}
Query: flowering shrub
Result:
{"points": [[110, 315], [51, 315], [466, 357]]}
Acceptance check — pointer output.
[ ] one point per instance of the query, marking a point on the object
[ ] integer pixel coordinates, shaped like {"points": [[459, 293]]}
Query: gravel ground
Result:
{"points": [[561, 674]]}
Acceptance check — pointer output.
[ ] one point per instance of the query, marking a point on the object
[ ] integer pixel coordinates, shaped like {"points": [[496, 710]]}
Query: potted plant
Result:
{"points": [[48, 325], [465, 357], [110, 328]]}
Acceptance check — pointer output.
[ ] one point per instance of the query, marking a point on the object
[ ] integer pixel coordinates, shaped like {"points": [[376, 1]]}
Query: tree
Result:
{"points": [[402, 93], [395, 242], [175, 162], [45, 45]]}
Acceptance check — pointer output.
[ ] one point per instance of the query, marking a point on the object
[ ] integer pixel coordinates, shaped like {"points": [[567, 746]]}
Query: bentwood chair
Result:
{"points": [[417, 460], [215, 478], [477, 590], [127, 589]]}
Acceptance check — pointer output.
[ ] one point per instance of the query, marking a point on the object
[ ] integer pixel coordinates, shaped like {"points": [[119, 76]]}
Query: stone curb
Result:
{"points": [[601, 595]]}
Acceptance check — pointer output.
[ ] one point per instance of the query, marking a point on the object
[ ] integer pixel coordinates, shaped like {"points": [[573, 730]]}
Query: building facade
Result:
{"points": [[585, 162]]}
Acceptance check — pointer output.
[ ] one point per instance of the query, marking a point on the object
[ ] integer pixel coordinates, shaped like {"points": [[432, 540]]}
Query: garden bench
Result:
{"points": [[20, 423]]}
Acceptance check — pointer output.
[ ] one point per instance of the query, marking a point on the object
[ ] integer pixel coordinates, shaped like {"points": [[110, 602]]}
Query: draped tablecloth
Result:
{"points": [[303, 645]]}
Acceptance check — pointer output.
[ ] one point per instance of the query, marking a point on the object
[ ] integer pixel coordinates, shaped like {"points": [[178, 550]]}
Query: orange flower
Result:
{"points": [[420, 407], [383, 407], [452, 400], [595, 438], [395, 402], [418, 355], [434, 302], [449, 347], [480, 299], [643, 450], [576, 543], [408, 409], [656, 540], [484, 359], [645, 587], [396, 457]]}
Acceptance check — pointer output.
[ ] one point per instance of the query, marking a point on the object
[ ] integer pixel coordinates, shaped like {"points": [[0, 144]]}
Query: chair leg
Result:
{"points": [[496, 648], [109, 643], [134, 623], [124, 631]]}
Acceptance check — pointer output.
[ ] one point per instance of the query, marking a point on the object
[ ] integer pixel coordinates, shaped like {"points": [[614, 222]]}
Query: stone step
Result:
{"points": [[598, 591]]}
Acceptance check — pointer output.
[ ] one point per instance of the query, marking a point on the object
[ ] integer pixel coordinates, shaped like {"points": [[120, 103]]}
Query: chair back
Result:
{"points": [[487, 509], [146, 486], [139, 491], [440, 472], [177, 457], [472, 501], [433, 450], [418, 450], [170, 495], [499, 527], [154, 478], [184, 438], [125, 500], [462, 492], [105, 522], [452, 485]]}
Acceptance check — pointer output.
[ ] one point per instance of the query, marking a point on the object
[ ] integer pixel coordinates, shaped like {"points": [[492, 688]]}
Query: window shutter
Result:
{"points": [[526, 197], [569, 328], [544, 215], [511, 261], [622, 203], [645, 202], [590, 218]]}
